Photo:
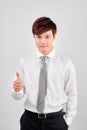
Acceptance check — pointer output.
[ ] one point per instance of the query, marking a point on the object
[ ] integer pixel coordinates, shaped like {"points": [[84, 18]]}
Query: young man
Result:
{"points": [[49, 81]]}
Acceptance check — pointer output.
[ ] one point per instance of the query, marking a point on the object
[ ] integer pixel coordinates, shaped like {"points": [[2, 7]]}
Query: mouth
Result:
{"points": [[43, 46]]}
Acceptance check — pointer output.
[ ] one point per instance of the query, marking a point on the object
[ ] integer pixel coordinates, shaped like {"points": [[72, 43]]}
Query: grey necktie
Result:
{"points": [[42, 86]]}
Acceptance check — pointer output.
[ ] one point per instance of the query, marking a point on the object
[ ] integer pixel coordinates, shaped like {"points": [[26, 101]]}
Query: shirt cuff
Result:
{"points": [[17, 95]]}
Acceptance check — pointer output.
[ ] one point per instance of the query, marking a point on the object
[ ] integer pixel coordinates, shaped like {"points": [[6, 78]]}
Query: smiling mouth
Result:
{"points": [[44, 46]]}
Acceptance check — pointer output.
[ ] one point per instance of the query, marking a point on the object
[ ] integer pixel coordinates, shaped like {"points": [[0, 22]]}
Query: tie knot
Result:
{"points": [[43, 58]]}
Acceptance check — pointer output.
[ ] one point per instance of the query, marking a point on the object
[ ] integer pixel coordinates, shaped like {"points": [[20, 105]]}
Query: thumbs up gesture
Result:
{"points": [[18, 85]]}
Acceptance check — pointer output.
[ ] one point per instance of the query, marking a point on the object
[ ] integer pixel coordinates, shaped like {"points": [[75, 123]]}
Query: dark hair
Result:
{"points": [[42, 25]]}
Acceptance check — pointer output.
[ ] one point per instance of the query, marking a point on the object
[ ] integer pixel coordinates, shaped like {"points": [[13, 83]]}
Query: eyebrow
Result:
{"points": [[40, 35], [45, 35]]}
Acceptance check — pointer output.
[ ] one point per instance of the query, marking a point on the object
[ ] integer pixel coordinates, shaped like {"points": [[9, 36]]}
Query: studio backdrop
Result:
{"points": [[16, 40]]}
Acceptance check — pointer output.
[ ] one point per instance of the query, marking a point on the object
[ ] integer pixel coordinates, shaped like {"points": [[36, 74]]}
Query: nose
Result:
{"points": [[43, 41]]}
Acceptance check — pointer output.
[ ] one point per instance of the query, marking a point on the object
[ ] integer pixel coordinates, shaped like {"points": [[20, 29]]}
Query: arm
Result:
{"points": [[71, 92]]}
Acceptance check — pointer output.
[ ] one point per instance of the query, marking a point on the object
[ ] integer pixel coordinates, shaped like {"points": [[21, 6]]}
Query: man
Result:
{"points": [[49, 82]]}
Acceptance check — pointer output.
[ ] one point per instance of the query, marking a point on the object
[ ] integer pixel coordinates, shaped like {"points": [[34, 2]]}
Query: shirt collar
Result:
{"points": [[50, 55]]}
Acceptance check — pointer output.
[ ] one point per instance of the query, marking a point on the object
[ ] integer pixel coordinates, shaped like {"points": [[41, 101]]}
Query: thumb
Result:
{"points": [[18, 75]]}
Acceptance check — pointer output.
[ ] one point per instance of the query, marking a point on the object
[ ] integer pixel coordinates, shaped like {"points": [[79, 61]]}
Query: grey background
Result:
{"points": [[16, 18]]}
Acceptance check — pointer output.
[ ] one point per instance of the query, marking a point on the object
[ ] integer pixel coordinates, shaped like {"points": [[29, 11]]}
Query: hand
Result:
{"points": [[18, 85], [68, 126]]}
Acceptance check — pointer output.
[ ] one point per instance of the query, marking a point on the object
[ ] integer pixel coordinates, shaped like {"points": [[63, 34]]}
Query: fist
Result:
{"points": [[18, 85]]}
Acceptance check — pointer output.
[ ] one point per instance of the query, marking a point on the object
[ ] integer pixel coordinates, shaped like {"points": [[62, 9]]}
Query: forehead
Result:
{"points": [[47, 33]]}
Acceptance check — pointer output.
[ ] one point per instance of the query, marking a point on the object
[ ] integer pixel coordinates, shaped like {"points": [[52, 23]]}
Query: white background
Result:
{"points": [[16, 19]]}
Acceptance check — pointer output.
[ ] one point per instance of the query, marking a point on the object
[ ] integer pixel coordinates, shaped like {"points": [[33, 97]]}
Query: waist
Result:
{"points": [[45, 115]]}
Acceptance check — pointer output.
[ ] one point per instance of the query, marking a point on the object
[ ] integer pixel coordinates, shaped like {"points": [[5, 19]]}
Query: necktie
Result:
{"points": [[42, 86]]}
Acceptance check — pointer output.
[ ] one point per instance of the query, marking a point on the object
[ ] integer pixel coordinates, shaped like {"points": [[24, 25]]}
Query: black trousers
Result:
{"points": [[30, 122]]}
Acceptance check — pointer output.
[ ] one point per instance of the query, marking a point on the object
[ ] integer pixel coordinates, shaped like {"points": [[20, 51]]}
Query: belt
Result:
{"points": [[45, 115]]}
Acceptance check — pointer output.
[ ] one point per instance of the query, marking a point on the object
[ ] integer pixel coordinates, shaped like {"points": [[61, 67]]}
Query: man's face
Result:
{"points": [[44, 42]]}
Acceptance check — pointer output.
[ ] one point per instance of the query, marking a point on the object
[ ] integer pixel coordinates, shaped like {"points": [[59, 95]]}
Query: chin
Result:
{"points": [[45, 52], [43, 49]]}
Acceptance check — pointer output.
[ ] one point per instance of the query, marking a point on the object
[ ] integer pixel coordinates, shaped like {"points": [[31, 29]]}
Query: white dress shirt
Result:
{"points": [[61, 83]]}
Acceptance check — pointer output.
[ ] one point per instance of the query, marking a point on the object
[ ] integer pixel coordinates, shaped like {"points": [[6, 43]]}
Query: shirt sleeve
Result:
{"points": [[19, 95], [71, 92]]}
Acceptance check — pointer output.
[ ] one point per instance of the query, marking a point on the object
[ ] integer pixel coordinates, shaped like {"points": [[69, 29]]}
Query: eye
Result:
{"points": [[38, 36], [47, 36]]}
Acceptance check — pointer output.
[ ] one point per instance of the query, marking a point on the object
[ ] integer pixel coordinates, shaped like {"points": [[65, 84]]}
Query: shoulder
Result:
{"points": [[28, 57], [65, 60]]}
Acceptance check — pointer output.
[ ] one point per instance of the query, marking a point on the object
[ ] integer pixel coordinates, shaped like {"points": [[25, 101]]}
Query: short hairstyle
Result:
{"points": [[43, 24]]}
